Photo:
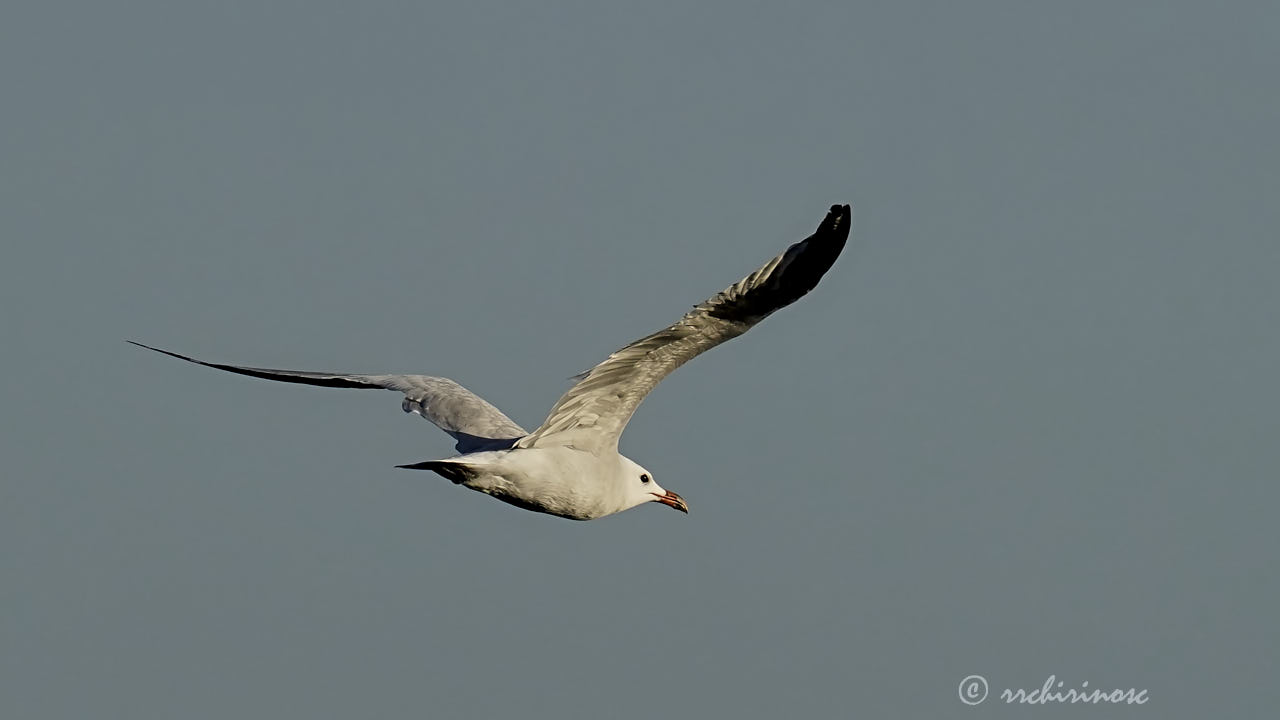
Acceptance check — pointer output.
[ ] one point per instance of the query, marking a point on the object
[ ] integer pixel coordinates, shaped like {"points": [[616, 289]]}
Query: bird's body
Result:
{"points": [[557, 480], [570, 465]]}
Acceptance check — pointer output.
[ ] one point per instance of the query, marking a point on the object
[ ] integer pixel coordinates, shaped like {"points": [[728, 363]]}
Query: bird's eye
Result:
{"points": [[644, 478]]}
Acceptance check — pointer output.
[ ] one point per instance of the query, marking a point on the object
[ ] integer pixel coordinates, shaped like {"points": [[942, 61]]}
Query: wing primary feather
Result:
{"points": [[294, 376]]}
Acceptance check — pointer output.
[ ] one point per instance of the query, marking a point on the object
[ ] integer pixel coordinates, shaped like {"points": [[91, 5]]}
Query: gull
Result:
{"points": [[570, 466]]}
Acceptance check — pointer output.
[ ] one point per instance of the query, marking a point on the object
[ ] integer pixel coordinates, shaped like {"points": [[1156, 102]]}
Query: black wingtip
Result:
{"points": [[166, 352], [836, 222], [148, 347], [830, 238], [801, 267]]}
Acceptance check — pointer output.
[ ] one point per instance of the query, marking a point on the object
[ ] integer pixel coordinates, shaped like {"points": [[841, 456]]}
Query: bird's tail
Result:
{"points": [[455, 471]]}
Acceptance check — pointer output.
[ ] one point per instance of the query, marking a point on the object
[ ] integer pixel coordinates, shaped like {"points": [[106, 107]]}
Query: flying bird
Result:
{"points": [[570, 465]]}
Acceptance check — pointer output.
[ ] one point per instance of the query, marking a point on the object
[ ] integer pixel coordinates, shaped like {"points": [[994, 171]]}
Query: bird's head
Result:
{"points": [[639, 487]]}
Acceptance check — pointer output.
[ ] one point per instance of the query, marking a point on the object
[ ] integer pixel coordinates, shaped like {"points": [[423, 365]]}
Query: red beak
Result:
{"points": [[671, 499]]}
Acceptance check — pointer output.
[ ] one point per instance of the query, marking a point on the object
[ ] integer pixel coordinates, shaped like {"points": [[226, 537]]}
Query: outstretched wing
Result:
{"points": [[473, 422], [593, 413]]}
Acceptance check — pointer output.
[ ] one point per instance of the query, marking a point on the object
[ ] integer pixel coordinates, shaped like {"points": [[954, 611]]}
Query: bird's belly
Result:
{"points": [[538, 498]]}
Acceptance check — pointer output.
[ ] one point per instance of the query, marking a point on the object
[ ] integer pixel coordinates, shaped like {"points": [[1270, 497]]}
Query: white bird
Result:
{"points": [[570, 465]]}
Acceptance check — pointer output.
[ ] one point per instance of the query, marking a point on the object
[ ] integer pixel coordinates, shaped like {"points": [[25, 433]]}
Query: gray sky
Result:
{"points": [[1026, 426]]}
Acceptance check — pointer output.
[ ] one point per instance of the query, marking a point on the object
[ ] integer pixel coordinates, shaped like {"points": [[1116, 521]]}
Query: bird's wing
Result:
{"points": [[593, 413], [472, 421]]}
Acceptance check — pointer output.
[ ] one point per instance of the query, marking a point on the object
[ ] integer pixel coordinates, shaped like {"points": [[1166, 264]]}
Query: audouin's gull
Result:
{"points": [[570, 465]]}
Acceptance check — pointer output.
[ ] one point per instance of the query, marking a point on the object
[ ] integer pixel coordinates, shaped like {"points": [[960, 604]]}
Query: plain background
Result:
{"points": [[1026, 426]]}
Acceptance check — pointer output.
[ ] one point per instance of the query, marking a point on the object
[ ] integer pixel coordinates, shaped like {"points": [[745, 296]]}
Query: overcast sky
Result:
{"points": [[1025, 427]]}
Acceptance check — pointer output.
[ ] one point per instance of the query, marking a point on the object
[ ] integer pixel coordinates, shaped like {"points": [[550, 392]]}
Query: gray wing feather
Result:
{"points": [[593, 413], [472, 421]]}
